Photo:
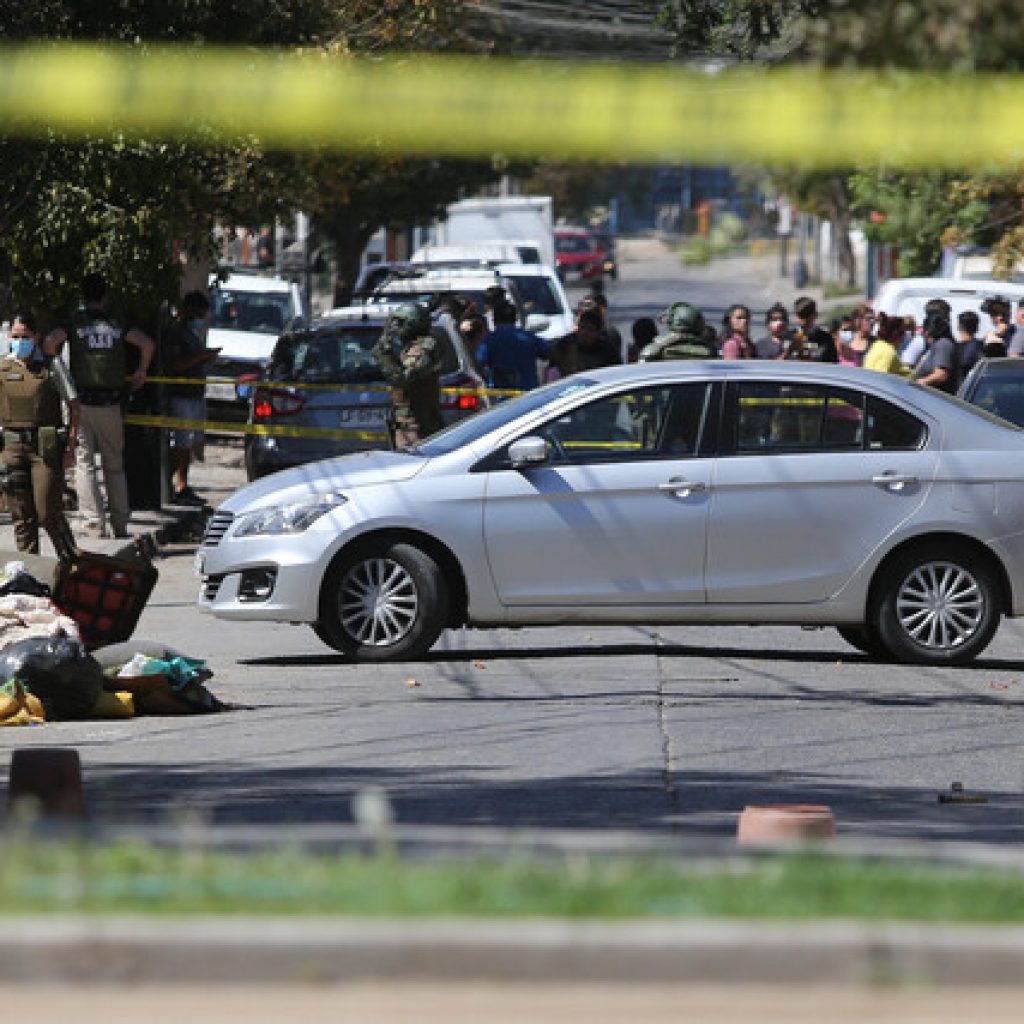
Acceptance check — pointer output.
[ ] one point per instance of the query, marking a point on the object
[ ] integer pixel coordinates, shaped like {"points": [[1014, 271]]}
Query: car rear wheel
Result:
{"points": [[937, 607], [383, 603]]}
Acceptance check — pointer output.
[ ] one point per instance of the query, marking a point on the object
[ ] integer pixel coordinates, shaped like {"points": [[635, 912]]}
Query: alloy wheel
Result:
{"points": [[940, 605], [378, 602]]}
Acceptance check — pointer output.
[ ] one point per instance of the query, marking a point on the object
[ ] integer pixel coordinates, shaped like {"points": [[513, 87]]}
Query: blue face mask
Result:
{"points": [[23, 347]]}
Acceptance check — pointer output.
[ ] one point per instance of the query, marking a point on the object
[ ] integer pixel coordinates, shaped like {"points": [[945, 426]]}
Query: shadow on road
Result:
{"points": [[634, 650], [690, 804]]}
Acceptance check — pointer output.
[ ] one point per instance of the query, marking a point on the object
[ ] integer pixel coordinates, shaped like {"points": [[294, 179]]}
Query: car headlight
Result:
{"points": [[291, 518]]}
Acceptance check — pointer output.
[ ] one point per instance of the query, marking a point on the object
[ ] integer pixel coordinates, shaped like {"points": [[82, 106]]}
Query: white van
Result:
{"points": [[507, 250], [907, 295], [536, 289], [248, 313]]}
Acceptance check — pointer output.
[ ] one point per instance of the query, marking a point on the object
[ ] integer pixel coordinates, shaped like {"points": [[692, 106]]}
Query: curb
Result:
{"points": [[274, 951]]}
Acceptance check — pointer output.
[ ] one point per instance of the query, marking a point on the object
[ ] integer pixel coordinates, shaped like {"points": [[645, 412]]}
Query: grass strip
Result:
{"points": [[127, 878]]}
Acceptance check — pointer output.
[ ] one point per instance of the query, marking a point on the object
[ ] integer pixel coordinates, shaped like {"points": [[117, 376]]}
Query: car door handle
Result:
{"points": [[677, 485], [894, 481]]}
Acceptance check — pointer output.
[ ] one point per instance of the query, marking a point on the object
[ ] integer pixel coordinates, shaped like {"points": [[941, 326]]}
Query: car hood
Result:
{"points": [[345, 472], [241, 344]]}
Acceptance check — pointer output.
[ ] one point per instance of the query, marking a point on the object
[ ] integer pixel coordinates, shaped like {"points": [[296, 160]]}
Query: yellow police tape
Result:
{"points": [[465, 106], [276, 429], [301, 385]]}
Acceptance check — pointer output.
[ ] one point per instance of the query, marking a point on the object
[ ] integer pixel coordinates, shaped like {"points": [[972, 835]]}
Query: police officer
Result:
{"points": [[97, 342], [32, 386], [688, 336], [411, 360]]}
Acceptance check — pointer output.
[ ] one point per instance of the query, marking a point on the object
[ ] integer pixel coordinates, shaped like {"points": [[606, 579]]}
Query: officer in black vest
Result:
{"points": [[97, 355], [32, 387]]}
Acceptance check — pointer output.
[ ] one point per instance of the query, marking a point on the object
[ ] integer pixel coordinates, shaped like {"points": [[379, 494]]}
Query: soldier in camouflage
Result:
{"points": [[411, 360], [688, 336]]}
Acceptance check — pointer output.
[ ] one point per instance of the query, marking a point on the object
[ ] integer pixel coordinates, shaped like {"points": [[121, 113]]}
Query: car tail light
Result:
{"points": [[269, 402], [462, 403]]}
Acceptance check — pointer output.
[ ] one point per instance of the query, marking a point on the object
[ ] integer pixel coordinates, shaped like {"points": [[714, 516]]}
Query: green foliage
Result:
{"points": [[134, 878], [131, 207]]}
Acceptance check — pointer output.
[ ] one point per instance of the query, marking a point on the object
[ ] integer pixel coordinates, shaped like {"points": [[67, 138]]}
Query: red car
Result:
{"points": [[579, 255]]}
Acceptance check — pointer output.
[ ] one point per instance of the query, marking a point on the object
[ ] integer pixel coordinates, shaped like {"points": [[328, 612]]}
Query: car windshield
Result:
{"points": [[536, 294], [472, 429], [258, 312], [573, 243], [973, 406], [1002, 395], [343, 356]]}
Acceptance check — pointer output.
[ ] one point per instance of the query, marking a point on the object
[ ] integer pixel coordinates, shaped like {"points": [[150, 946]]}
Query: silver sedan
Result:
{"points": [[676, 492]]}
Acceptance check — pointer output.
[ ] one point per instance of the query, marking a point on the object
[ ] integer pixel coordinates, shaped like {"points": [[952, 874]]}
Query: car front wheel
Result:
{"points": [[384, 603], [937, 607]]}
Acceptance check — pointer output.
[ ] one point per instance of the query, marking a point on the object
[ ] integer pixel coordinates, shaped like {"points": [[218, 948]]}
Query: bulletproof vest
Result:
{"points": [[29, 397], [97, 353], [677, 346]]}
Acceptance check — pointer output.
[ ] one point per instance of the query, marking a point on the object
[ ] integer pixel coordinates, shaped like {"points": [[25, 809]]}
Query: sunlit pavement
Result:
{"points": [[502, 1004]]}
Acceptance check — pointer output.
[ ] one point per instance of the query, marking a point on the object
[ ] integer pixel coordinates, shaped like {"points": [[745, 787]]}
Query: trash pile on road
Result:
{"points": [[66, 650]]}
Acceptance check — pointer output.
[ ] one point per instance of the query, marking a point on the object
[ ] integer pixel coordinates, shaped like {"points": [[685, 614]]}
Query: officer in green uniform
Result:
{"points": [[411, 360], [32, 387], [687, 337]]}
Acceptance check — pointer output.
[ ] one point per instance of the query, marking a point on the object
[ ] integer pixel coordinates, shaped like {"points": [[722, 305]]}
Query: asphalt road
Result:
{"points": [[669, 730]]}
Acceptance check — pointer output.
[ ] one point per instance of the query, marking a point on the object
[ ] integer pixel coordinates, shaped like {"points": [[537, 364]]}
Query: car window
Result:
{"points": [[781, 416], [536, 294], [652, 422], [503, 413], [335, 357], [258, 312], [889, 428]]}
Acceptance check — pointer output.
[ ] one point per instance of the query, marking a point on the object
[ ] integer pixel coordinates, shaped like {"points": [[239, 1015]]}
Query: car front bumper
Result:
{"points": [[297, 561]]}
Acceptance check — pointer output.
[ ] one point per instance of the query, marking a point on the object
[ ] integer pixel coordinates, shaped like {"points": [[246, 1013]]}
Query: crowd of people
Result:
{"points": [[938, 352]]}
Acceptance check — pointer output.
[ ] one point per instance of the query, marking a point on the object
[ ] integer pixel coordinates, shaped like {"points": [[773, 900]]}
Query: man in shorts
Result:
{"points": [[185, 355]]}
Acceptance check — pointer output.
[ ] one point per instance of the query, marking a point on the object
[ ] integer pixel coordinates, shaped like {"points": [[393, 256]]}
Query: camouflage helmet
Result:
{"points": [[411, 318], [682, 318]]}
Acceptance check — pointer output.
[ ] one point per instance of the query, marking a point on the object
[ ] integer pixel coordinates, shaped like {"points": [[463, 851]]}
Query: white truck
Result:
{"points": [[248, 312], [518, 220]]}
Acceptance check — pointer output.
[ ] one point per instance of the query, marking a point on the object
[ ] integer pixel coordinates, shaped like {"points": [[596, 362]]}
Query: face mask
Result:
{"points": [[23, 347], [778, 326], [846, 336]]}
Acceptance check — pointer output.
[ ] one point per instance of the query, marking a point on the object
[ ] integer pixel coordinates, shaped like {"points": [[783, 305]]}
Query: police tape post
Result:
{"points": [[472, 106]]}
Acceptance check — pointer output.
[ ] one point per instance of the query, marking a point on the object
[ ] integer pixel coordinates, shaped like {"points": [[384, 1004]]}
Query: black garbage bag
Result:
{"points": [[58, 670], [25, 583]]}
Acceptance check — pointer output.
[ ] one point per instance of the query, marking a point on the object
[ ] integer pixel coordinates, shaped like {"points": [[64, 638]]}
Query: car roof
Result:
{"points": [[253, 283], [1002, 365], [938, 287]]}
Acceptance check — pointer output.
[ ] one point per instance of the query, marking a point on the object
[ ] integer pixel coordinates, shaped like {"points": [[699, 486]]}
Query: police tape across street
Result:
{"points": [[282, 430], [442, 105]]}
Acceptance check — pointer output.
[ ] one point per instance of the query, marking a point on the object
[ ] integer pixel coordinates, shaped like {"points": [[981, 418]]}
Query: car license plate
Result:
{"points": [[221, 392], [373, 417], [199, 565]]}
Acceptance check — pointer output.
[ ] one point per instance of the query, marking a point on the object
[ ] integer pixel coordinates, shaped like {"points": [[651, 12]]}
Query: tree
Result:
{"points": [[129, 207]]}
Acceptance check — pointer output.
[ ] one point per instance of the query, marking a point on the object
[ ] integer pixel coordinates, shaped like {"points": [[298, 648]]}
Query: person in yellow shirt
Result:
{"points": [[883, 355]]}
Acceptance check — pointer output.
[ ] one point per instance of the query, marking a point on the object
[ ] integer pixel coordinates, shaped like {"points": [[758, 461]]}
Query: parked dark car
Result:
{"points": [[337, 349], [997, 386]]}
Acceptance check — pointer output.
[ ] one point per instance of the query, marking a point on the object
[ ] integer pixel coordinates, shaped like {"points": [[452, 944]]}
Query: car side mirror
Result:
{"points": [[528, 451], [536, 322]]}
